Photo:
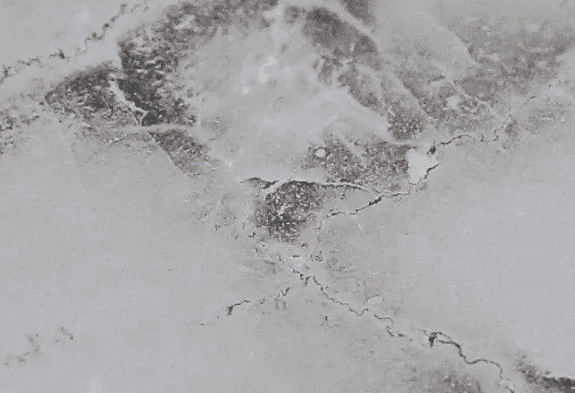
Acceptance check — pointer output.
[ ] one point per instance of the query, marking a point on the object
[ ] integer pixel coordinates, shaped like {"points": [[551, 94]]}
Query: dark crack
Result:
{"points": [[394, 334], [429, 170], [283, 292], [285, 207], [230, 309], [380, 198], [357, 210], [448, 142], [506, 123], [322, 289], [437, 337], [433, 338], [290, 204], [509, 119], [388, 327]]}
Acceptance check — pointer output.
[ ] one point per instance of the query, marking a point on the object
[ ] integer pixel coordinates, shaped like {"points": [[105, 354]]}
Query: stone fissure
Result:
{"points": [[479, 138], [433, 338], [322, 289], [230, 309], [437, 337], [442, 338], [356, 211]]}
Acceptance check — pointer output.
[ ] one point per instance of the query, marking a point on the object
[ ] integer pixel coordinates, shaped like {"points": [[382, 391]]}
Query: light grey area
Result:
{"points": [[306, 196]]}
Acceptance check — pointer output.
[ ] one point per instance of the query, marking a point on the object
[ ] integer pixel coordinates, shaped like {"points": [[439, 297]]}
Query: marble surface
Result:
{"points": [[253, 196]]}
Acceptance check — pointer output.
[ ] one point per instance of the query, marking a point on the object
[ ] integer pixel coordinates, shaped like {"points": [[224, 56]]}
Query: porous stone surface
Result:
{"points": [[288, 196]]}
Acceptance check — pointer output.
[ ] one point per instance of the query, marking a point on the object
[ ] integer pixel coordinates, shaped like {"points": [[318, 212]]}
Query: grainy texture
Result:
{"points": [[288, 196]]}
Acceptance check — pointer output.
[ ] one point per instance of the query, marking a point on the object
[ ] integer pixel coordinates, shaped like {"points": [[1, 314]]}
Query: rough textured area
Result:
{"points": [[288, 196]]}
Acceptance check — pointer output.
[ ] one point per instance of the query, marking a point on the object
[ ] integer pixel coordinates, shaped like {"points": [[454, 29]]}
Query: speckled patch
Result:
{"points": [[286, 210], [373, 162], [87, 95], [185, 152]]}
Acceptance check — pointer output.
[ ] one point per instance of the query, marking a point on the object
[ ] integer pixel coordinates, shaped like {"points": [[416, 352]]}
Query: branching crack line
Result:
{"points": [[20, 65], [273, 185], [432, 150], [388, 327], [322, 289], [442, 338], [479, 137], [433, 337], [357, 210], [509, 117], [450, 141], [230, 309]]}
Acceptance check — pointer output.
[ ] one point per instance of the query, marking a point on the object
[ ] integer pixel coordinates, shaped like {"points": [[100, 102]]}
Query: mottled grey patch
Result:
{"points": [[87, 94], [511, 53], [371, 162], [351, 60], [151, 54], [484, 85], [453, 383], [375, 164], [386, 163], [147, 62], [184, 151], [559, 384], [7, 121], [286, 210], [341, 164], [293, 14], [540, 381], [7, 126], [404, 126], [361, 9], [325, 29]]}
